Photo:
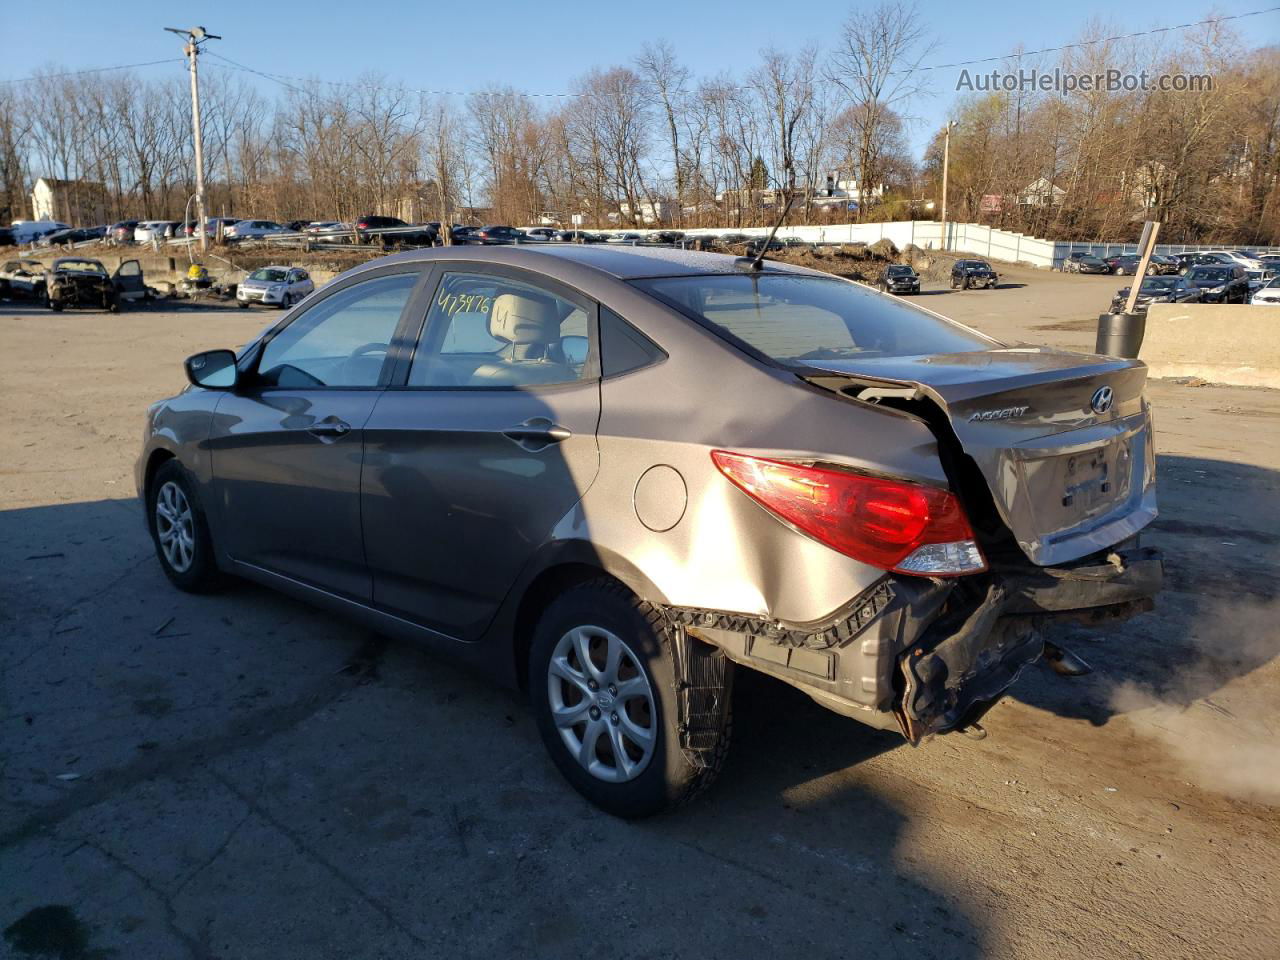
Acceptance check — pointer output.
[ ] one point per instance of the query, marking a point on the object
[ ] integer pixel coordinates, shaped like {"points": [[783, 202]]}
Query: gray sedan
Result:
{"points": [[611, 476]]}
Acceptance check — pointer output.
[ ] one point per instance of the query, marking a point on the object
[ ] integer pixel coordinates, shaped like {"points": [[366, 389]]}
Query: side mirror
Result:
{"points": [[213, 369]]}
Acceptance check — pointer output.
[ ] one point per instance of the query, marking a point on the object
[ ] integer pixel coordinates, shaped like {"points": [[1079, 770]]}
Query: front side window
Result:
{"points": [[492, 331], [796, 320], [342, 341]]}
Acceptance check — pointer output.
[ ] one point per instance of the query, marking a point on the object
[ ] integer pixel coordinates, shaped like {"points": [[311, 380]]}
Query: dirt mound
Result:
{"points": [[854, 261]]}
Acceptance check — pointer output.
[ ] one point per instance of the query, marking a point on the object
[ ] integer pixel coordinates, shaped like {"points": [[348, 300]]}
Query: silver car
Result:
{"points": [[274, 286], [611, 476]]}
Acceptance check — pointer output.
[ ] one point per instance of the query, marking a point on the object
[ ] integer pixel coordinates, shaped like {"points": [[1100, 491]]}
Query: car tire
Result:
{"points": [[187, 555], [964, 284], [611, 624], [55, 305], [242, 304]]}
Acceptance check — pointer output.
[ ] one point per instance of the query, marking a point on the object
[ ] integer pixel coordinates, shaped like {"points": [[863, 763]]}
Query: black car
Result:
{"points": [[756, 244], [1081, 261], [1188, 260], [899, 278], [1220, 284], [81, 282], [1158, 290], [71, 235], [1123, 264], [424, 237], [973, 273], [491, 235]]}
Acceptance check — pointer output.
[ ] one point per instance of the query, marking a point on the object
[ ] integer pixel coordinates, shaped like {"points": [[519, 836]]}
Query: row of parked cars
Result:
{"points": [[1122, 264]]}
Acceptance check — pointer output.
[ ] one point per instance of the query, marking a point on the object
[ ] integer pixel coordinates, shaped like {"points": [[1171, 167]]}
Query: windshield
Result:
{"points": [[1210, 273], [795, 319], [81, 266], [269, 275], [1159, 284], [898, 271]]}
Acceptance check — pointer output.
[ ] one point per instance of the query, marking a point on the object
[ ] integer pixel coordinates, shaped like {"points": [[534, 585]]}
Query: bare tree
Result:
{"points": [[875, 63]]}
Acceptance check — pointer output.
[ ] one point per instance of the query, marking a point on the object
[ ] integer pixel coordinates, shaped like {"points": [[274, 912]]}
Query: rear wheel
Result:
{"points": [[55, 304], [602, 684], [243, 304]]}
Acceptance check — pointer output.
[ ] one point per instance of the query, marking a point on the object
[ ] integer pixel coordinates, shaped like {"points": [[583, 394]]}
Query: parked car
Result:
{"points": [[1127, 264], [973, 273], [296, 226], [899, 278], [1079, 261], [1268, 295], [426, 236], [617, 537], [666, 236], [492, 235], [540, 234], [756, 244], [29, 231], [22, 279], [1158, 290], [1188, 260], [1234, 258], [82, 282], [1220, 284], [253, 230], [147, 230], [71, 235], [1258, 279], [122, 231], [275, 287], [211, 226]]}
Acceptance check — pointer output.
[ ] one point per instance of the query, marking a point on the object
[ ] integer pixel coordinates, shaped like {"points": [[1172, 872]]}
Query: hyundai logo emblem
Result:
{"points": [[1101, 401]]}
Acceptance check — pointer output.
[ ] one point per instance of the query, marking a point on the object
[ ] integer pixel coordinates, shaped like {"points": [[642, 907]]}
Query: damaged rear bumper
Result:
{"points": [[928, 656]]}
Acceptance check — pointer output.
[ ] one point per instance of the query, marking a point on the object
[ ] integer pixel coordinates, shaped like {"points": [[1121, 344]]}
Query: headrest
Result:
{"points": [[522, 319]]}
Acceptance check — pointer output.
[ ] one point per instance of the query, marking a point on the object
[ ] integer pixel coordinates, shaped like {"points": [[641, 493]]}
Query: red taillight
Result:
{"points": [[892, 524]]}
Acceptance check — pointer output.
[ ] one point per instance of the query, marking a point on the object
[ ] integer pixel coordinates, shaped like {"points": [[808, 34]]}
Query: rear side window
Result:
{"points": [[795, 320]]}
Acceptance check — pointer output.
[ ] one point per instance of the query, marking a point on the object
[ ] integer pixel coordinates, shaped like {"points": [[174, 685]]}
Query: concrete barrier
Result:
{"points": [[1221, 343]]}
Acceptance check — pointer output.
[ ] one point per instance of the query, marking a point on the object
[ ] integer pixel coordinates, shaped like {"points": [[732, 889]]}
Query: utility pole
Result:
{"points": [[946, 163], [196, 36]]}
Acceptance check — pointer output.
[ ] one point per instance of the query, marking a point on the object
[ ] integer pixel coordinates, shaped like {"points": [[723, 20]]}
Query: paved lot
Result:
{"points": [[239, 776]]}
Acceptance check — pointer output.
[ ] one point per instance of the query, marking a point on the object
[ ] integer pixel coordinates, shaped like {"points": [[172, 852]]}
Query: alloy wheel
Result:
{"points": [[175, 527], [602, 704]]}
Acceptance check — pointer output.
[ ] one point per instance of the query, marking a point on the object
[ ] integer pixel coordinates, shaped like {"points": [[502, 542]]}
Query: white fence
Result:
{"points": [[974, 238]]}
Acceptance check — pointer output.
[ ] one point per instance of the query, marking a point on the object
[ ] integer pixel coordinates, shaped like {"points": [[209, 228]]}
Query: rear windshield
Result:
{"points": [[1210, 273], [796, 320]]}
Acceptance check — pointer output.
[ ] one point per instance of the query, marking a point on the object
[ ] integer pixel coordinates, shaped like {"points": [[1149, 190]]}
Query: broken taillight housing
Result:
{"points": [[892, 524]]}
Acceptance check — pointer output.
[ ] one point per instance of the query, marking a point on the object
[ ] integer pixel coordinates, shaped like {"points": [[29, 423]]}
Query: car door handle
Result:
{"points": [[537, 432], [329, 427]]}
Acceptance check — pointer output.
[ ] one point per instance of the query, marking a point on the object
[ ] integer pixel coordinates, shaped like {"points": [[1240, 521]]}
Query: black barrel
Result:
{"points": [[1120, 334]]}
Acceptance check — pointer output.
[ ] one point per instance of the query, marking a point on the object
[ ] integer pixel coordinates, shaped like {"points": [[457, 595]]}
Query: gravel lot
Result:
{"points": [[239, 776]]}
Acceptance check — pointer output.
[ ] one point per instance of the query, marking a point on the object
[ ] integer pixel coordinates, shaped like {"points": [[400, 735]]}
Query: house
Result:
{"points": [[1041, 192], [648, 211], [79, 202]]}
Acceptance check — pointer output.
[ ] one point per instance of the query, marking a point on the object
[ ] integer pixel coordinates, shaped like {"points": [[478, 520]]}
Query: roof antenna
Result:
{"points": [[755, 264]]}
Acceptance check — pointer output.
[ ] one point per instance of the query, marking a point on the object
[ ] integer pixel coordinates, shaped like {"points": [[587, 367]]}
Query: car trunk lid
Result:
{"points": [[1062, 440]]}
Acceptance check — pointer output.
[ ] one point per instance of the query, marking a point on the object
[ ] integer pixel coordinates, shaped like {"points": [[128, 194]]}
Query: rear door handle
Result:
{"points": [[329, 427], [537, 432]]}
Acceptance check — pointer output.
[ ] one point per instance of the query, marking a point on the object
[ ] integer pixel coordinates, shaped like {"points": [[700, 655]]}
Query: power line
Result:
{"points": [[81, 73], [1090, 43], [291, 82]]}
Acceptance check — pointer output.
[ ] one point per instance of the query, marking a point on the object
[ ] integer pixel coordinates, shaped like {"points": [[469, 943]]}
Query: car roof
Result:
{"points": [[621, 263]]}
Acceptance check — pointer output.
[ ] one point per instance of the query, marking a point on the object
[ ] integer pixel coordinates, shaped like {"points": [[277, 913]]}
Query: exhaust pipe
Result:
{"points": [[1064, 662]]}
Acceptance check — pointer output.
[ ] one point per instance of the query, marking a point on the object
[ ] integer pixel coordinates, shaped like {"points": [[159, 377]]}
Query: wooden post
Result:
{"points": [[1148, 242]]}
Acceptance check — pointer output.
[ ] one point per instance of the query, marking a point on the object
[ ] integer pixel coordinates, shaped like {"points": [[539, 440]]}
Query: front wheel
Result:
{"points": [[242, 304], [180, 531], [603, 688], [55, 305]]}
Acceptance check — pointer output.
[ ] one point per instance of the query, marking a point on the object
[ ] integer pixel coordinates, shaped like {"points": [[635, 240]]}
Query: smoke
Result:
{"points": [[1218, 715]]}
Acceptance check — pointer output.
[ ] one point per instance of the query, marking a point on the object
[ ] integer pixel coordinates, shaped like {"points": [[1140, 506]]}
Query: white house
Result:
{"points": [[80, 202]]}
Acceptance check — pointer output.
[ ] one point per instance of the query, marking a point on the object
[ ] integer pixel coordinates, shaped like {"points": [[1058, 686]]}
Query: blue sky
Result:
{"points": [[541, 47]]}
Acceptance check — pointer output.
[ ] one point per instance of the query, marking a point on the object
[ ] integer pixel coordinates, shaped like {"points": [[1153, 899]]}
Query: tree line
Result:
{"points": [[651, 140]]}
